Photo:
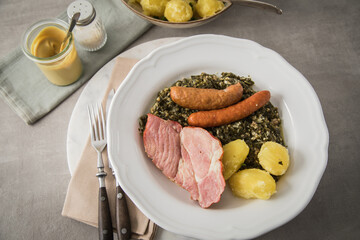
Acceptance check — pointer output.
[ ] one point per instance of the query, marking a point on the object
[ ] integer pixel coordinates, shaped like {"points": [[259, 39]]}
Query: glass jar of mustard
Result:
{"points": [[89, 31], [41, 44]]}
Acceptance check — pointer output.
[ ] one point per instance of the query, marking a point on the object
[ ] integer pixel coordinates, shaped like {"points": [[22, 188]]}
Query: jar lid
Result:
{"points": [[86, 10]]}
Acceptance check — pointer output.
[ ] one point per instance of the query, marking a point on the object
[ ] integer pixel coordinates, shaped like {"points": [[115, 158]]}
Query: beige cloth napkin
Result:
{"points": [[81, 201]]}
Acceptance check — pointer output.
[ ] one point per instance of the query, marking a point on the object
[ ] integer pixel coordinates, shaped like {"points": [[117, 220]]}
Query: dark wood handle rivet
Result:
{"points": [[123, 230], [119, 196]]}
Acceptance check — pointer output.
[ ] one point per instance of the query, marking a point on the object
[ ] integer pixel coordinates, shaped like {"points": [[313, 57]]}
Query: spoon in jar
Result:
{"points": [[74, 19]]}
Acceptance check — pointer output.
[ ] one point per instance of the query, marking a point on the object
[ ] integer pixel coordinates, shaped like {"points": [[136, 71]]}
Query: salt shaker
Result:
{"points": [[89, 31]]}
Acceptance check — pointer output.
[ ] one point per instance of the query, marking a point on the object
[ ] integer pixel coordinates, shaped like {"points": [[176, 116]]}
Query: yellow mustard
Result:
{"points": [[60, 67]]}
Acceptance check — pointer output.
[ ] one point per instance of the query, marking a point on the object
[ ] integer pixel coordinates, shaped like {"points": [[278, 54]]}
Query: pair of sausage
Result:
{"points": [[224, 104]]}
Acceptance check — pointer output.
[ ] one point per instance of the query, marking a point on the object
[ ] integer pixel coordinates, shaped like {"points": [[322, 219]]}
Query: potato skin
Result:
{"points": [[207, 8], [154, 8], [252, 183], [235, 153], [178, 11]]}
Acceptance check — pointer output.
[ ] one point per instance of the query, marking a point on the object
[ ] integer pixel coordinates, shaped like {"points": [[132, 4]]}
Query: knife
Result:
{"points": [[123, 225]]}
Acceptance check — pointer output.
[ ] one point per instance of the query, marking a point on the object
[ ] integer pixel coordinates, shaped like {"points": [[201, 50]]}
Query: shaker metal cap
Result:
{"points": [[86, 10]]}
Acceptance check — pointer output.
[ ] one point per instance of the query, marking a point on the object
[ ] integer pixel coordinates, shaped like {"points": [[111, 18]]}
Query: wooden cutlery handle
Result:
{"points": [[123, 225], [105, 225]]}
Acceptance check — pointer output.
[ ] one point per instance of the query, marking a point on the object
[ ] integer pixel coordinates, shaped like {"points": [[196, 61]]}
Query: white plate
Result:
{"points": [[170, 206]]}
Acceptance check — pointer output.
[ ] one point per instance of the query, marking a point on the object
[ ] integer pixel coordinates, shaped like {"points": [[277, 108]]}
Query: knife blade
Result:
{"points": [[123, 226], [108, 102]]}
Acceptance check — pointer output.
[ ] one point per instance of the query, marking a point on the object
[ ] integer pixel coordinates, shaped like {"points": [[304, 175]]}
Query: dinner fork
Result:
{"points": [[98, 141]]}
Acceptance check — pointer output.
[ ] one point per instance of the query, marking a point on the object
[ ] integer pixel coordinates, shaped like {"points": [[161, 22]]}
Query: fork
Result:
{"points": [[98, 141]]}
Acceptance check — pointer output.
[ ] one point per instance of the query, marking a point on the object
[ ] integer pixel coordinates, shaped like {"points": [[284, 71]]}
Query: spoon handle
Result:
{"points": [[258, 4], [74, 19]]}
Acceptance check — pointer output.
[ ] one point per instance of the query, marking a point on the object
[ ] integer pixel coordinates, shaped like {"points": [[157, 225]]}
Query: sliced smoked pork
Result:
{"points": [[201, 157], [189, 156], [162, 144]]}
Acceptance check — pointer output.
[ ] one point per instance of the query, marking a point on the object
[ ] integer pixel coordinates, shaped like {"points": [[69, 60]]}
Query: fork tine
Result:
{"points": [[99, 121], [96, 120], [93, 117], [100, 134]]}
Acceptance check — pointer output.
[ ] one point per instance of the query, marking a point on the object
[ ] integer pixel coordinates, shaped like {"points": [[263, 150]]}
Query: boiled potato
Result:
{"points": [[252, 183], [207, 8], [235, 153], [154, 8], [178, 11], [274, 158]]}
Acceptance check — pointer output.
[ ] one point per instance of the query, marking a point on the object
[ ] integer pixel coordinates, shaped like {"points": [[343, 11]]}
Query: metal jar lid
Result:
{"points": [[86, 10]]}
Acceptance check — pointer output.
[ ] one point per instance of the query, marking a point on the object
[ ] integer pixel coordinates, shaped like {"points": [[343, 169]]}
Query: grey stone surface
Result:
{"points": [[319, 38]]}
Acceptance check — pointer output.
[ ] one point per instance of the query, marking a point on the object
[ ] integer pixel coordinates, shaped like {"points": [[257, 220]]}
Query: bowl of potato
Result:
{"points": [[187, 13], [178, 13]]}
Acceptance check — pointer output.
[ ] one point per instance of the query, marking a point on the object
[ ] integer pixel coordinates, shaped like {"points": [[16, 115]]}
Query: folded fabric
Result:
{"points": [[32, 96], [81, 201]]}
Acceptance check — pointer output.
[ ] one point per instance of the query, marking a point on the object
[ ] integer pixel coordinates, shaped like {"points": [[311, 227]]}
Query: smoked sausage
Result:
{"points": [[230, 114], [206, 99]]}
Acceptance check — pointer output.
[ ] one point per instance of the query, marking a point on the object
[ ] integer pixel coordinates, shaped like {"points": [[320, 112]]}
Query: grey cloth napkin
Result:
{"points": [[32, 96]]}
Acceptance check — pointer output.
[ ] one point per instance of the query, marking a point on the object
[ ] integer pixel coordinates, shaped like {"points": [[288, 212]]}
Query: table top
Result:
{"points": [[320, 38]]}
